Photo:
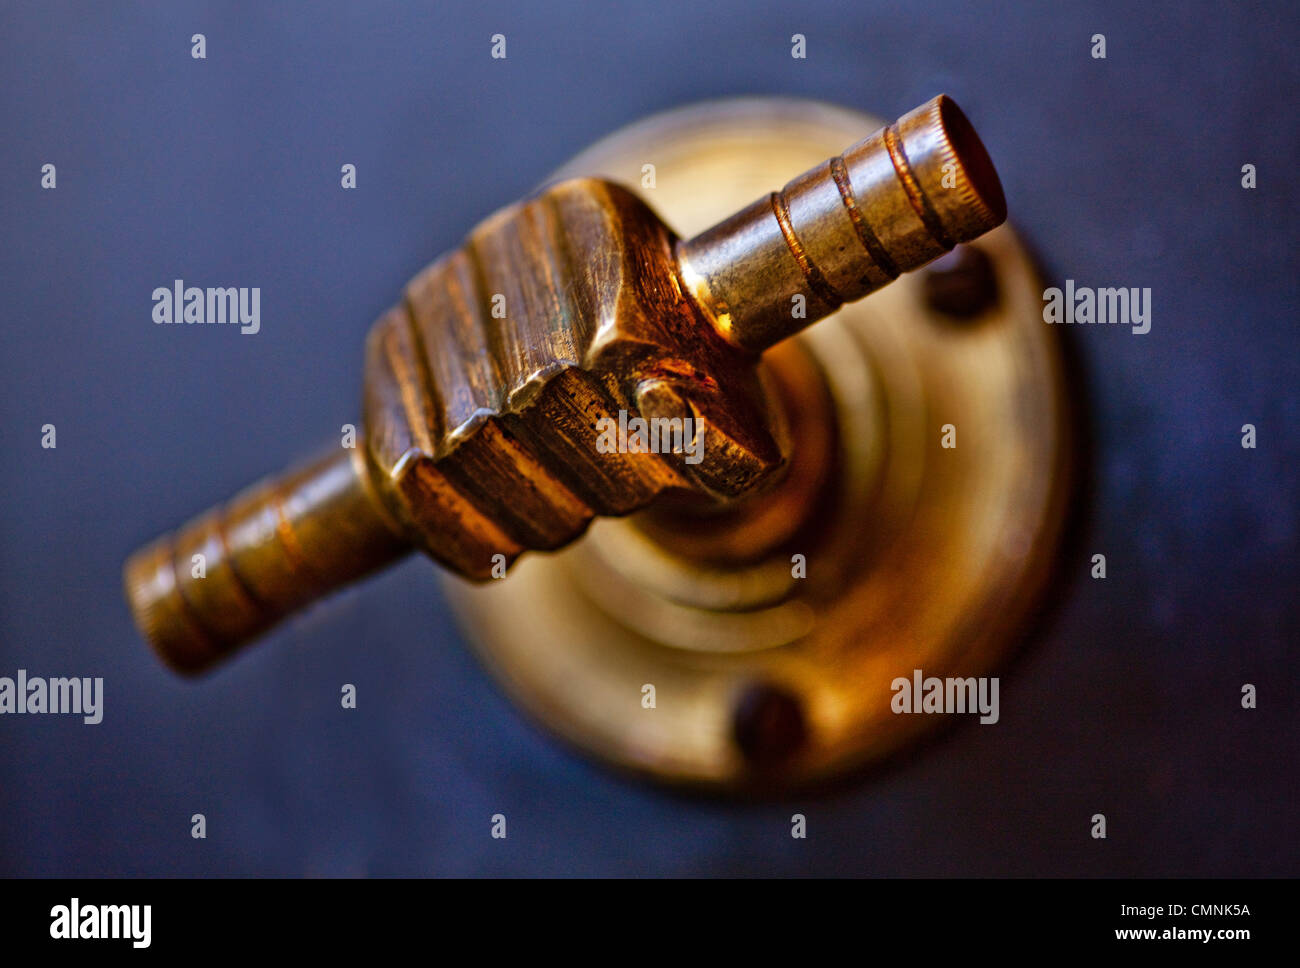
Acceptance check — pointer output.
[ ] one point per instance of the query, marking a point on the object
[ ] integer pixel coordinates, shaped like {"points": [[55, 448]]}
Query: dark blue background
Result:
{"points": [[225, 171]]}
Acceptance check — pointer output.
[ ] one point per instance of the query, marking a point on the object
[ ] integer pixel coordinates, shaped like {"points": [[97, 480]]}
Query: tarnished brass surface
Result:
{"points": [[918, 556], [893, 202], [272, 549], [486, 385]]}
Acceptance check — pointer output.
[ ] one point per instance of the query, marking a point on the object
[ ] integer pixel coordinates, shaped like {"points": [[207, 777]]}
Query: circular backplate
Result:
{"points": [[925, 550]]}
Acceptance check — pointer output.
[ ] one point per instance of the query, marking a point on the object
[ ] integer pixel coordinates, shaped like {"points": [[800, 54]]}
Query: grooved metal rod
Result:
{"points": [[273, 548], [896, 200]]}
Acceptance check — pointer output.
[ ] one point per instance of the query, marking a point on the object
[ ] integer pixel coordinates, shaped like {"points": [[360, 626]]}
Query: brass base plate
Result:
{"points": [[919, 556]]}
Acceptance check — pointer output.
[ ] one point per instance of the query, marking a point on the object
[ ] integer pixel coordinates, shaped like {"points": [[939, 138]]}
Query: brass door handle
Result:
{"points": [[492, 388], [878, 495]]}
